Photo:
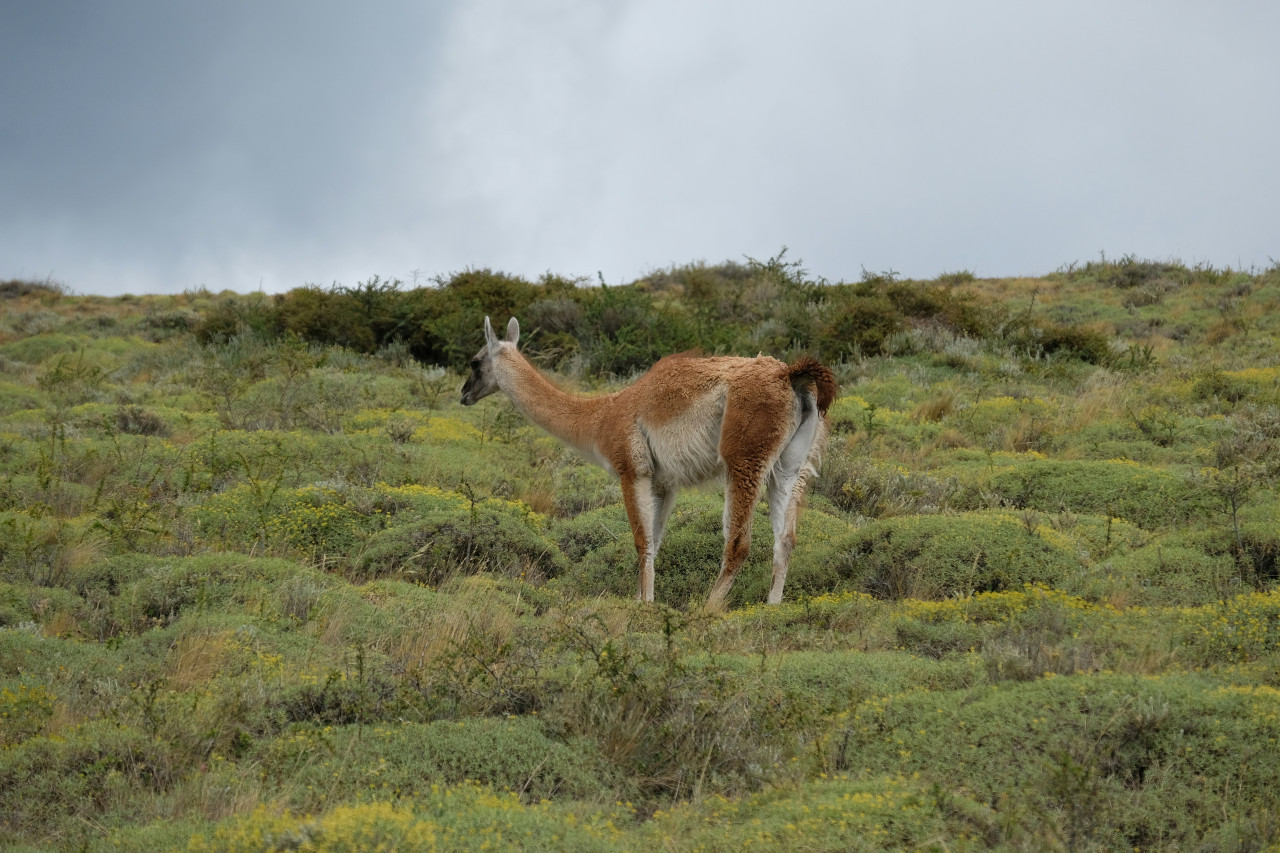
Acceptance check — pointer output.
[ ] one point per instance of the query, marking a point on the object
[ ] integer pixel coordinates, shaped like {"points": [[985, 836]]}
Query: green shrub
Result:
{"points": [[1173, 573], [1148, 497], [939, 556], [1243, 628], [1110, 761], [36, 349], [859, 325], [443, 543], [834, 680], [623, 331], [835, 815], [42, 549], [1042, 337], [25, 710], [314, 767], [580, 486], [53, 784], [317, 522], [873, 490], [158, 591], [1221, 386], [234, 316], [464, 818], [669, 721]]}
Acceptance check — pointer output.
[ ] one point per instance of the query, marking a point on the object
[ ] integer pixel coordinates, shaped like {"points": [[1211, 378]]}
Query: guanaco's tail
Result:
{"points": [[808, 371]]}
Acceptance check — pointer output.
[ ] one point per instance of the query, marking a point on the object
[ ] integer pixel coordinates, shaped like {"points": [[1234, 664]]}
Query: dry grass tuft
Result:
{"points": [[219, 793], [950, 439], [936, 409], [1027, 433], [540, 497], [196, 658], [1219, 332], [62, 624], [333, 628], [475, 615]]}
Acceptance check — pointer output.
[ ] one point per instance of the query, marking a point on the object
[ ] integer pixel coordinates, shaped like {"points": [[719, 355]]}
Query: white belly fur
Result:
{"points": [[686, 449]]}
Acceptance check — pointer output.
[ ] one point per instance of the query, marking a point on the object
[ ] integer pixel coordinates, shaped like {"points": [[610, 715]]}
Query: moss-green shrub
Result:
{"points": [[15, 397], [1117, 761], [623, 330], [1149, 497], [1243, 628], [939, 556], [40, 548], [864, 488], [468, 817], [987, 418], [52, 783], [23, 603], [834, 680], [1174, 573], [1036, 337], [859, 324], [38, 348], [446, 542], [313, 766], [25, 710], [831, 815], [591, 531], [580, 486], [150, 591], [375, 614]]}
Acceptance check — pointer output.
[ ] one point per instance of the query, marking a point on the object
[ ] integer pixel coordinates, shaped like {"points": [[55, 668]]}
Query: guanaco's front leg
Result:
{"points": [[638, 497]]}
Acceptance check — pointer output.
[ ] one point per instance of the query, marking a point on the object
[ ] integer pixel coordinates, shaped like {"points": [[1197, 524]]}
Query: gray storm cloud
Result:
{"points": [[155, 147]]}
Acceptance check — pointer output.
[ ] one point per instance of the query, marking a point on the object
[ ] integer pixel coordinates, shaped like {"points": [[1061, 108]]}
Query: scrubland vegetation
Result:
{"points": [[265, 585]]}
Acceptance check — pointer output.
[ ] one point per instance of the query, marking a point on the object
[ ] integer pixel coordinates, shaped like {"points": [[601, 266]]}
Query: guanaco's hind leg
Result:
{"points": [[752, 435], [743, 484], [784, 505], [787, 482]]}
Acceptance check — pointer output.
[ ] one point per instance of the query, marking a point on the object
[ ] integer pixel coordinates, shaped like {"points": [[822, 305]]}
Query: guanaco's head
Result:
{"points": [[483, 380]]}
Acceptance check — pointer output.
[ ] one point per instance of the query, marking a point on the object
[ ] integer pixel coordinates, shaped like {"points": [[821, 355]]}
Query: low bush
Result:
{"points": [[1149, 497], [149, 591], [55, 784], [931, 557], [443, 543], [313, 766], [1106, 761], [25, 711], [464, 818], [836, 814], [216, 540], [864, 488]]}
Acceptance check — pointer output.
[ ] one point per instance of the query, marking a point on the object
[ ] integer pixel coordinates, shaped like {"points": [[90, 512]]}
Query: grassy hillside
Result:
{"points": [[265, 585]]}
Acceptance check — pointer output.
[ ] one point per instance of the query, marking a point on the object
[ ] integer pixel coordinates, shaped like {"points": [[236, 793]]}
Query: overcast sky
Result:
{"points": [[158, 146]]}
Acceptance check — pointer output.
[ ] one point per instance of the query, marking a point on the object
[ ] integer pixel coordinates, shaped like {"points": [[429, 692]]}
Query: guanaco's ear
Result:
{"points": [[513, 331], [490, 339]]}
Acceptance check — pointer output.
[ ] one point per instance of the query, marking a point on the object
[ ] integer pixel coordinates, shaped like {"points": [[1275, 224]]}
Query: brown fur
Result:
{"points": [[754, 421]]}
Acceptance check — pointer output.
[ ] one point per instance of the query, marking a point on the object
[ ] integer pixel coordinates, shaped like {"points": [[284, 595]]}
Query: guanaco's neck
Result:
{"points": [[568, 417]]}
